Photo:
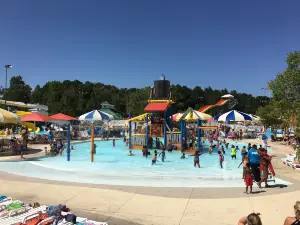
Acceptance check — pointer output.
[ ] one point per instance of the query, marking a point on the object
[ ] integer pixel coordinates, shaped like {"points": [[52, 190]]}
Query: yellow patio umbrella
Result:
{"points": [[8, 117], [191, 115]]}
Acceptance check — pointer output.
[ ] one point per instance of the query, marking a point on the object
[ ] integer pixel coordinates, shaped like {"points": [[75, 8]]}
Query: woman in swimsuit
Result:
{"points": [[264, 169], [294, 220]]}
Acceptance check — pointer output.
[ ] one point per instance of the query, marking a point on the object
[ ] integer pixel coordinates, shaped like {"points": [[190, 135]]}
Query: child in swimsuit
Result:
{"points": [[233, 152], [196, 159], [154, 159], [248, 178], [221, 159], [210, 149]]}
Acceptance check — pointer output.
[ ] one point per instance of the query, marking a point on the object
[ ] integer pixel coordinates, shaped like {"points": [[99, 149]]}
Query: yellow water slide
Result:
{"points": [[27, 124]]}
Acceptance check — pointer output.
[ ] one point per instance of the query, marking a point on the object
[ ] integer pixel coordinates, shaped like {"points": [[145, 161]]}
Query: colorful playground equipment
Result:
{"points": [[157, 121], [226, 99]]}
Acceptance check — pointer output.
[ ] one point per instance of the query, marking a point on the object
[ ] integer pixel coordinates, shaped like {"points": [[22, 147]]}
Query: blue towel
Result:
{"points": [[2, 197]]}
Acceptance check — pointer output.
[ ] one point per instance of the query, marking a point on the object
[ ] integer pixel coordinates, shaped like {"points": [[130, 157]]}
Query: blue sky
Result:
{"points": [[230, 44]]}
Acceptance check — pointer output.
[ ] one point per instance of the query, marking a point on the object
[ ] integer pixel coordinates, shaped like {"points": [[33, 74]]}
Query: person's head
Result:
{"points": [[254, 219], [219, 152], [232, 146], [297, 209], [244, 147], [46, 148], [248, 164], [130, 151], [249, 144], [254, 147], [183, 154]]}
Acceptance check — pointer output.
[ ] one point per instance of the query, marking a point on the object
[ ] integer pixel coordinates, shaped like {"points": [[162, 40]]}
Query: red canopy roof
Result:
{"points": [[61, 117], [37, 117], [156, 107]]}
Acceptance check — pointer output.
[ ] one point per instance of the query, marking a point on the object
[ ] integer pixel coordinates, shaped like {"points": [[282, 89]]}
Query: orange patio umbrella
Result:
{"points": [[63, 117]]}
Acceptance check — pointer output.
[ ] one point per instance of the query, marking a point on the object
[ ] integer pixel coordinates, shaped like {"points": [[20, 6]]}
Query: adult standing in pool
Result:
{"points": [[254, 159]]}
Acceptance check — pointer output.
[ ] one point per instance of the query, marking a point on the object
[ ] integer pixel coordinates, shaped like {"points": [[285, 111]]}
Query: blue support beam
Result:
{"points": [[147, 136], [69, 142], [165, 129], [199, 135], [181, 134]]}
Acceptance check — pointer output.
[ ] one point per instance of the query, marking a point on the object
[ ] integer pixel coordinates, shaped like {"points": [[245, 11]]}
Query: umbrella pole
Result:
{"points": [[92, 143], [69, 142], [34, 129]]}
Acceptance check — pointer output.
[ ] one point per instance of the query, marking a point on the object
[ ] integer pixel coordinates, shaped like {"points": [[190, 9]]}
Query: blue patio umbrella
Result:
{"points": [[233, 115], [95, 115]]}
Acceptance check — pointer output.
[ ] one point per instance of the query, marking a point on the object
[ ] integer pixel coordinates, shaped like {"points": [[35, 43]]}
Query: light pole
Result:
{"points": [[265, 89], [5, 92]]}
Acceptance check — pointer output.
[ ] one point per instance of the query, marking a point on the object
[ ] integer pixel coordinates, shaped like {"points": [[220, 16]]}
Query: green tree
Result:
{"points": [[18, 90], [270, 115], [37, 95], [286, 89]]}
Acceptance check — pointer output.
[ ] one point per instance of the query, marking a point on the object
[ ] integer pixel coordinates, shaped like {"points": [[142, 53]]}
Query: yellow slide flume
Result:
{"points": [[27, 124]]}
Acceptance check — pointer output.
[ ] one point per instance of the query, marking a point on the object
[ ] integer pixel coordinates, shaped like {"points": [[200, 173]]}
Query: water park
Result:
{"points": [[160, 148], [176, 140]]}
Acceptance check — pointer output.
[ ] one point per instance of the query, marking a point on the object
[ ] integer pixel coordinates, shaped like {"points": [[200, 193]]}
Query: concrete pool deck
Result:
{"points": [[147, 205]]}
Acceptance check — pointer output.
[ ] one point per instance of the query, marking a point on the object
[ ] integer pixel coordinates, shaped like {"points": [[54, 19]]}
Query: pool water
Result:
{"points": [[113, 166]]}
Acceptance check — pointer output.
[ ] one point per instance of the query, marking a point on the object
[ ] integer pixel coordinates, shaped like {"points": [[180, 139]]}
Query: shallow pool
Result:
{"points": [[113, 166]]}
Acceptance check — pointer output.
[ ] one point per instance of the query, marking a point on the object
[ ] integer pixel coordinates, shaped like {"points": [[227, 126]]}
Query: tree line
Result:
{"points": [[75, 97]]}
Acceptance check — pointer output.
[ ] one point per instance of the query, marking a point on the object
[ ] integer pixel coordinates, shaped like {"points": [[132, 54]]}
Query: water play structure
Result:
{"points": [[157, 122], [156, 119]]}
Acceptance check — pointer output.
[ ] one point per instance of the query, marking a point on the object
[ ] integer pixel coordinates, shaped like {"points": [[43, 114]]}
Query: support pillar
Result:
{"points": [[181, 134], [165, 129], [129, 136], [147, 136], [199, 134], [69, 142], [92, 142]]}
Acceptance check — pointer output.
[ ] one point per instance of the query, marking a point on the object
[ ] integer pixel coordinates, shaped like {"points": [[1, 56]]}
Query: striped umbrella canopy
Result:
{"points": [[96, 115], [8, 117], [176, 116], [233, 115], [191, 115]]}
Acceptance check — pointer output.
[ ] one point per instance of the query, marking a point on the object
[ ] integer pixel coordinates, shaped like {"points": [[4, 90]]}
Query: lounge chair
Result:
{"points": [[19, 219]]}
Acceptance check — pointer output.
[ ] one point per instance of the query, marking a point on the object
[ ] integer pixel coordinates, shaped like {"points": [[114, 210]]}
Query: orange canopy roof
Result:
{"points": [[62, 117], [37, 117], [156, 107]]}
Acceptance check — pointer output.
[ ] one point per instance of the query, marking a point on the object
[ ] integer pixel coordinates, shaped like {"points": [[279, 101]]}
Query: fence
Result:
{"points": [[174, 137], [138, 140]]}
